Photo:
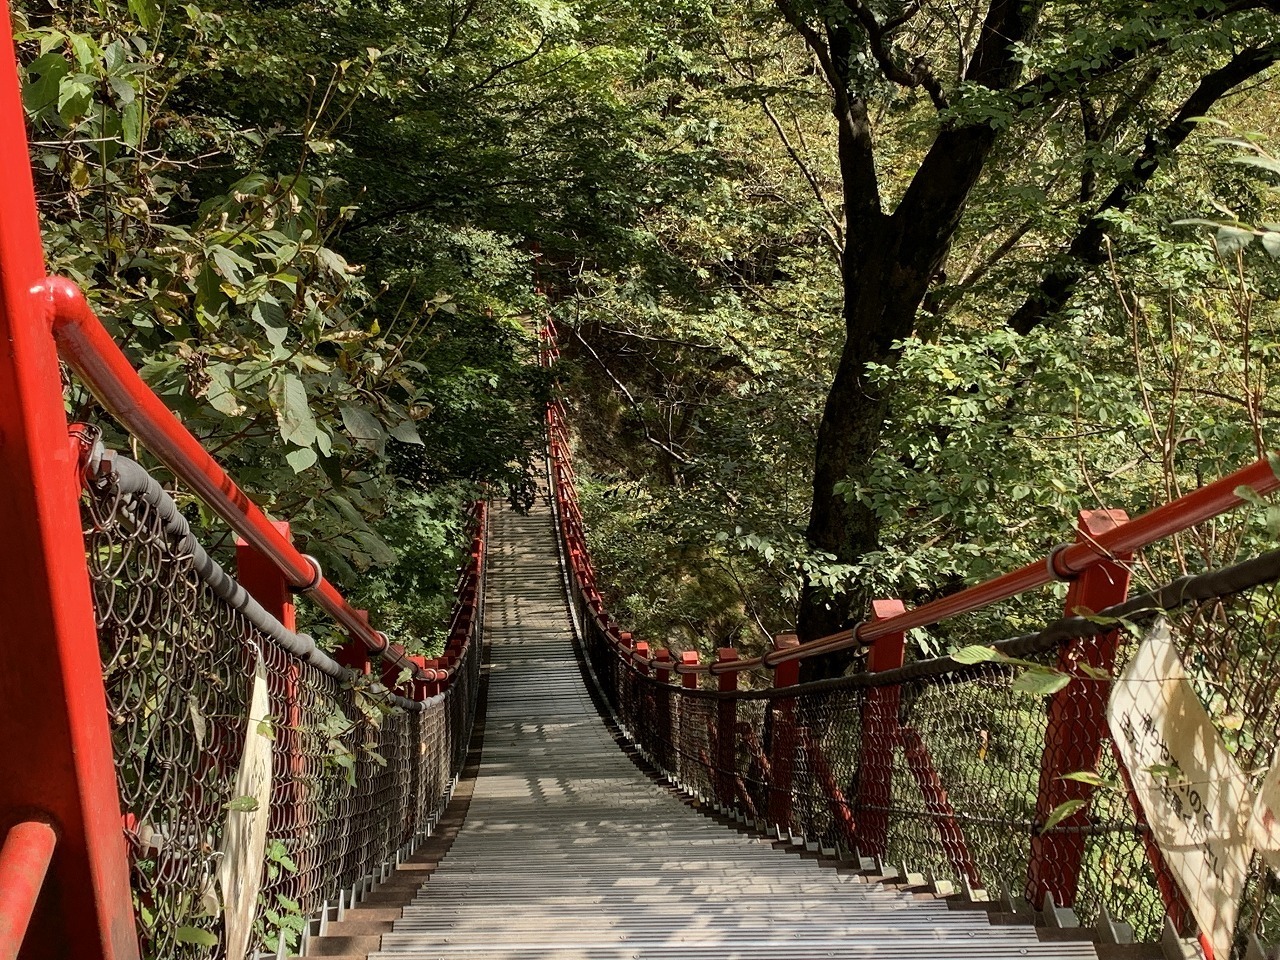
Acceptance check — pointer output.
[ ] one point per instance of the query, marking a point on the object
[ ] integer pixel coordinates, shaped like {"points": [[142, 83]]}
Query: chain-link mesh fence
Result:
{"points": [[943, 768], [356, 773]]}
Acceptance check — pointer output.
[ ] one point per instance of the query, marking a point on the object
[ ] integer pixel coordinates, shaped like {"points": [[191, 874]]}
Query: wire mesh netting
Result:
{"points": [[353, 776]]}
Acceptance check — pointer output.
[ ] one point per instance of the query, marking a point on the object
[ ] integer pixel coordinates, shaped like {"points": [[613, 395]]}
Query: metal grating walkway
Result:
{"points": [[571, 852]]}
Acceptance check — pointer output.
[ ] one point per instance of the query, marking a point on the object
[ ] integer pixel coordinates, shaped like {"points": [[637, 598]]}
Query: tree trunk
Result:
{"points": [[884, 283]]}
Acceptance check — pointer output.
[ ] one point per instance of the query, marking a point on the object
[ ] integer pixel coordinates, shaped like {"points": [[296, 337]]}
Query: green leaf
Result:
{"points": [[1272, 516], [1086, 776], [131, 124], [229, 263], [145, 12], [1092, 672], [1249, 495], [376, 546], [1270, 164], [1061, 812], [85, 50], [1041, 681], [219, 392], [363, 427], [976, 654], [42, 93], [74, 97], [1271, 243], [407, 432], [270, 317], [195, 935], [301, 458], [208, 290], [293, 413], [1231, 239]]}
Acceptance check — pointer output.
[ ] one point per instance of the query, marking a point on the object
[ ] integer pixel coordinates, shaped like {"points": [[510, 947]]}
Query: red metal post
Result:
{"points": [[1077, 726], [689, 680], [879, 737], [52, 700], [24, 861], [954, 844], [642, 655], [663, 669], [664, 705], [259, 575], [782, 745], [726, 753]]}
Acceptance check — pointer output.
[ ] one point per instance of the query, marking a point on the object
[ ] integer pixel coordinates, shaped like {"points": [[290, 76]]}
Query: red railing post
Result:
{"points": [[782, 745], [688, 681], [726, 753], [662, 670], [259, 575], [689, 658], [1077, 725], [52, 699], [664, 705], [354, 653], [879, 737]]}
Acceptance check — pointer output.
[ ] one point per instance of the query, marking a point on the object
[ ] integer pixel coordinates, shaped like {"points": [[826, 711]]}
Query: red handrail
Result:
{"points": [[92, 352], [1065, 563]]}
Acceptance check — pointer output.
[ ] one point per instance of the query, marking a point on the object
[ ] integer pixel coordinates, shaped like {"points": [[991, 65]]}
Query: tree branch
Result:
{"points": [[880, 35], [833, 231], [631, 400], [931, 207], [1086, 249], [502, 68]]}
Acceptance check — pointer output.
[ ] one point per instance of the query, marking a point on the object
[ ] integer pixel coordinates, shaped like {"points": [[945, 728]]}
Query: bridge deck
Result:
{"points": [[571, 852]]}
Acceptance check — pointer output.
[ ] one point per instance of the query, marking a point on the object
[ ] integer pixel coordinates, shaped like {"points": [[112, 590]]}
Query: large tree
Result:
{"points": [[1135, 76]]}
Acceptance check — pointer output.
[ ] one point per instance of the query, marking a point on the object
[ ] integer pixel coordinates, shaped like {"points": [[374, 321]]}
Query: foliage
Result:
{"points": [[701, 369], [218, 181]]}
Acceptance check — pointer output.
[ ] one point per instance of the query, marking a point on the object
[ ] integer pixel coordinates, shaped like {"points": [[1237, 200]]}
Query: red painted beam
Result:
{"points": [[879, 737], [954, 845], [782, 740], [52, 702]]}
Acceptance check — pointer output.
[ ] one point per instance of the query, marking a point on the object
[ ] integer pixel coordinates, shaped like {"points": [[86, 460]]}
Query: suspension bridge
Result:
{"points": [[197, 778]]}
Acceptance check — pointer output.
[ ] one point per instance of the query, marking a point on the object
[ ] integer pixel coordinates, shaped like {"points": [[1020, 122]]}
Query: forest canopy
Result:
{"points": [[858, 299]]}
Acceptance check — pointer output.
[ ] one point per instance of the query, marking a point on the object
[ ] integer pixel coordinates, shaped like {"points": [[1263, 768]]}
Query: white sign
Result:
{"points": [[1266, 816], [244, 841], [1196, 798]]}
